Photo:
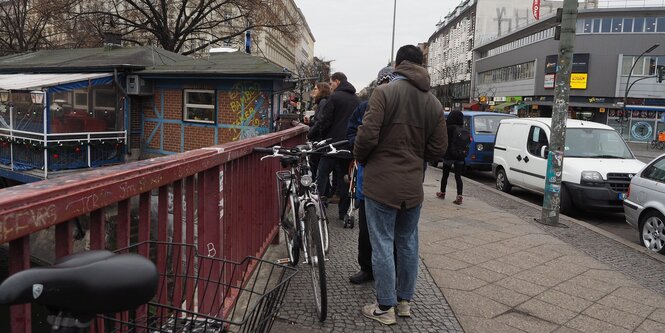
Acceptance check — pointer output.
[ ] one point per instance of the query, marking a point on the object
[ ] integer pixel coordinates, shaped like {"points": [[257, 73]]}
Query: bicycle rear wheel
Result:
{"points": [[324, 233], [317, 262]]}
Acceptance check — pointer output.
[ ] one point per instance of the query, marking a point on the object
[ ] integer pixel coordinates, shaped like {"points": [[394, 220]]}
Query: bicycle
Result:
{"points": [[181, 291], [659, 143], [302, 214]]}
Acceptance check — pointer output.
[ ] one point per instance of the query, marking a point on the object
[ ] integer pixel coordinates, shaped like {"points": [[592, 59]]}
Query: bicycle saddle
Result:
{"points": [[87, 283]]}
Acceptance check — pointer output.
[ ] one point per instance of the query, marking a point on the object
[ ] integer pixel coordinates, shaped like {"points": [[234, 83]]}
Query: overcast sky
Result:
{"points": [[357, 34]]}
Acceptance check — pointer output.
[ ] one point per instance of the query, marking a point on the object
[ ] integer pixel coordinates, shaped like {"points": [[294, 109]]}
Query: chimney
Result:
{"points": [[112, 40]]}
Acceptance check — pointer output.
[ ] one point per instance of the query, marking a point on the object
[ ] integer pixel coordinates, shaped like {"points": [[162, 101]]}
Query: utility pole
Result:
{"points": [[552, 197], [392, 48]]}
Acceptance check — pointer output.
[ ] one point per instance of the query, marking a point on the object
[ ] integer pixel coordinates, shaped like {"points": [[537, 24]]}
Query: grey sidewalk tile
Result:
{"points": [[527, 323], [502, 295], [501, 267], [471, 256], [611, 277], [650, 326], [455, 280], [582, 260], [445, 262], [521, 286], [658, 315], [497, 250], [455, 244], [436, 248], [546, 311], [471, 304], [564, 329], [562, 249], [563, 300], [614, 316], [524, 260], [622, 304], [483, 274], [591, 283], [540, 279], [576, 289], [491, 236], [473, 324], [559, 272], [587, 324], [640, 295]]}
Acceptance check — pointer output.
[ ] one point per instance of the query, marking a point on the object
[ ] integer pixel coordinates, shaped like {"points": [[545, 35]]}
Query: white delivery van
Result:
{"points": [[597, 165]]}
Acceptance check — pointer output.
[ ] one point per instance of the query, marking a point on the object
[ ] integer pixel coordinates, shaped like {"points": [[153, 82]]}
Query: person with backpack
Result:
{"points": [[459, 139]]}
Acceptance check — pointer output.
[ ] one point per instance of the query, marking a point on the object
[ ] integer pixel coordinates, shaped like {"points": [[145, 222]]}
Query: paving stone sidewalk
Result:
{"points": [[504, 273], [486, 268]]}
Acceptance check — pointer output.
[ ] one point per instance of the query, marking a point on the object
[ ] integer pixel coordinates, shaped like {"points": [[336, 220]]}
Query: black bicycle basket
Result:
{"points": [[198, 293]]}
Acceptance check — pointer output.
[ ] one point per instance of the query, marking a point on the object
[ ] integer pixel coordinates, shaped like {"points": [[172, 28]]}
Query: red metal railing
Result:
{"points": [[232, 190]]}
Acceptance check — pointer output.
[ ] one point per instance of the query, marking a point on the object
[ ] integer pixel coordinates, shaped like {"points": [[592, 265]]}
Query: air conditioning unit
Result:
{"points": [[138, 86]]}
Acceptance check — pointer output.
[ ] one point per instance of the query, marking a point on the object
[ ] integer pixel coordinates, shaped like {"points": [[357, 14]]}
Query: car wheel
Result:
{"points": [[566, 205], [652, 231], [502, 183]]}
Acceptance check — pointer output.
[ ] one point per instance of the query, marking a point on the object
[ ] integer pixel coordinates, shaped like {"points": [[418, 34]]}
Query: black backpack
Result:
{"points": [[461, 141]]}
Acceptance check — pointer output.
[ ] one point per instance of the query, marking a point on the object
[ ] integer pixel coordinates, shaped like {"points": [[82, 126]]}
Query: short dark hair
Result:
{"points": [[339, 76], [410, 53]]}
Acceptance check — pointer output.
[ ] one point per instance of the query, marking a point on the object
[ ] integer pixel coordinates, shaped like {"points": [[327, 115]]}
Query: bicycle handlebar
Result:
{"points": [[315, 148]]}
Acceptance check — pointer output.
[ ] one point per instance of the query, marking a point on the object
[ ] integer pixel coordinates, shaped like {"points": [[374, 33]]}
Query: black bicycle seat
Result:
{"points": [[87, 283]]}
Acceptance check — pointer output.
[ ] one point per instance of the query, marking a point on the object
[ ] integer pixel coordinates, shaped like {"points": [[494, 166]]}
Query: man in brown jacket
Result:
{"points": [[403, 127]]}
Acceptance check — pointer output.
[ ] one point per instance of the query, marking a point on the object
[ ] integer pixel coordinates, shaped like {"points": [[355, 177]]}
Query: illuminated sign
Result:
{"points": [[578, 80]]}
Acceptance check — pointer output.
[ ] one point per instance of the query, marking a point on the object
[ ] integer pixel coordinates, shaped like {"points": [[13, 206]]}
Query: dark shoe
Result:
{"points": [[441, 195], [458, 200], [334, 199], [361, 277]]}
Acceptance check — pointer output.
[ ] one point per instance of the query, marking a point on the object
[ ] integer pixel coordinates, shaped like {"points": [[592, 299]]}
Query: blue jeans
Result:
{"points": [[388, 226]]}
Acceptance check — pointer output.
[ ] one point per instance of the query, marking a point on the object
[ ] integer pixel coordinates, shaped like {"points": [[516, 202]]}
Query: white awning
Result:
{"points": [[40, 81]]}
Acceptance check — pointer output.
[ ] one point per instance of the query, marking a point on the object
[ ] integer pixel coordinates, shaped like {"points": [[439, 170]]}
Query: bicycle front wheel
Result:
{"points": [[317, 262], [290, 228]]}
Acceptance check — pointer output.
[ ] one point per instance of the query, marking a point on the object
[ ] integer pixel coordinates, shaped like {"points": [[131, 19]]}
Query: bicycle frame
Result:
{"points": [[304, 196]]}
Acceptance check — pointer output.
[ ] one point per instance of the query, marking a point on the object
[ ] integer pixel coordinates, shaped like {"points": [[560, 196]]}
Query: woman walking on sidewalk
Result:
{"points": [[455, 124]]}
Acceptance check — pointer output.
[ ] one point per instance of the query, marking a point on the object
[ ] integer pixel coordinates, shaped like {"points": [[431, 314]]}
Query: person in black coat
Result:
{"points": [[332, 123], [454, 123]]}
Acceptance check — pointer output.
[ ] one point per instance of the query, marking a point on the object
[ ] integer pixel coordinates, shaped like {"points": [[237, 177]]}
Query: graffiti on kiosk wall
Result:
{"points": [[250, 108]]}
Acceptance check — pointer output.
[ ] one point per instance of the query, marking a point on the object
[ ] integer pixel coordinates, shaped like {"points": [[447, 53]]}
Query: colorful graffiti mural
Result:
{"points": [[251, 110]]}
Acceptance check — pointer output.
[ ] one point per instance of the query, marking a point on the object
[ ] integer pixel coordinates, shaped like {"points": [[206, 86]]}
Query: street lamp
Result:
{"points": [[625, 95]]}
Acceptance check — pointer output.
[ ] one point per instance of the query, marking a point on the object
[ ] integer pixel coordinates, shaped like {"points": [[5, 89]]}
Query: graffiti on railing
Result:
{"points": [[88, 203], [250, 108], [39, 217]]}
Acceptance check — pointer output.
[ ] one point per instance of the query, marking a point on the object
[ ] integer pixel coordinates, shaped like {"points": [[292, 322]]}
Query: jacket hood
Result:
{"points": [[346, 86], [416, 74], [455, 117]]}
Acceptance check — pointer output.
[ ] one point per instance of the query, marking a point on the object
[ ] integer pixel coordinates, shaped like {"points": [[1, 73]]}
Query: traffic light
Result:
{"points": [[661, 73]]}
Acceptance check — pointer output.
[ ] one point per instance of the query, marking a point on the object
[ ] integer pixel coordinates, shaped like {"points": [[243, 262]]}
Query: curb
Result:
{"points": [[636, 247]]}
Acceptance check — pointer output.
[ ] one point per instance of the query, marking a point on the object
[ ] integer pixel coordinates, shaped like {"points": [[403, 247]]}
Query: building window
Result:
{"points": [[616, 24], [661, 25], [104, 100], [650, 24], [199, 106], [639, 24], [628, 25], [606, 25], [596, 25]]}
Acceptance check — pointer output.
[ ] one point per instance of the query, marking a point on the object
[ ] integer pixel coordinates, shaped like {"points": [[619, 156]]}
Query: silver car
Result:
{"points": [[644, 205]]}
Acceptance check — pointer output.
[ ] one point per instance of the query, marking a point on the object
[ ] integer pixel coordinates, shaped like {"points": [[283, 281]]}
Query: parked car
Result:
{"points": [[597, 166], [644, 206], [482, 126]]}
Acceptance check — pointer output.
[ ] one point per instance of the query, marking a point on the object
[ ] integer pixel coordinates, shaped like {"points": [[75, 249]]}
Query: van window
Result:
{"points": [[487, 124], [595, 143], [537, 139]]}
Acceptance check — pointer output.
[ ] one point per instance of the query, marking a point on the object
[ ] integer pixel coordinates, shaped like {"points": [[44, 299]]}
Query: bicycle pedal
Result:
{"points": [[283, 261]]}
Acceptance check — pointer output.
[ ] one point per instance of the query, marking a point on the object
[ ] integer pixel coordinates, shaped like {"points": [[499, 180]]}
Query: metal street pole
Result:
{"points": [[625, 95], [392, 48], [552, 197]]}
